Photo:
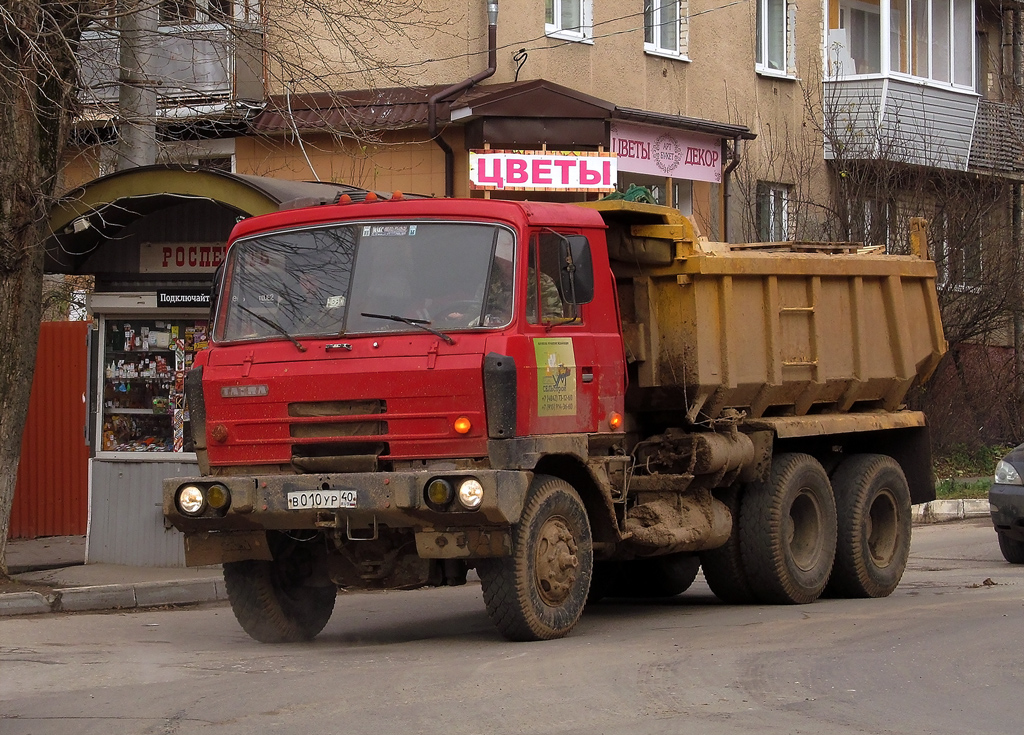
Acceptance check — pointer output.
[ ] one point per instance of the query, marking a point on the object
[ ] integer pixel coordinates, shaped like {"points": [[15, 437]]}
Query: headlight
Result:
{"points": [[439, 493], [1006, 474], [471, 493], [191, 501], [218, 497]]}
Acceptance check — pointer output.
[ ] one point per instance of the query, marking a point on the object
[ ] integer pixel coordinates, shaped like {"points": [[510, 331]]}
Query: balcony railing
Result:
{"points": [[898, 120], [998, 144]]}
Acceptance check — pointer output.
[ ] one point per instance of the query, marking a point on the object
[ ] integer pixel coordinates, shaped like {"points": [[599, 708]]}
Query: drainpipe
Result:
{"points": [[736, 158], [444, 94]]}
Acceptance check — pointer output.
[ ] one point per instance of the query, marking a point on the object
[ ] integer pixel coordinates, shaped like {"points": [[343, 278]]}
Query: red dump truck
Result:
{"points": [[576, 401]]}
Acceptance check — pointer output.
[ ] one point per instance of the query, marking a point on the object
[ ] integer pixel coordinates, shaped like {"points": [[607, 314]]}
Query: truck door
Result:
{"points": [[567, 372]]}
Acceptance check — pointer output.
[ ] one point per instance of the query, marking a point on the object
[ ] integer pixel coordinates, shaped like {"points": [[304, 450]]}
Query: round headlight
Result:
{"points": [[471, 493], [218, 496], [440, 492], [191, 501]]}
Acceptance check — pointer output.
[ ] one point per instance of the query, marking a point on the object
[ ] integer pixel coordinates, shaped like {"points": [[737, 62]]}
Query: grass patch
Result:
{"points": [[962, 461], [953, 489]]}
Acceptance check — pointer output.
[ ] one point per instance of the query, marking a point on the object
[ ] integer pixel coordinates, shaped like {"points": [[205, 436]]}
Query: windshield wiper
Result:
{"points": [[276, 327], [421, 323]]}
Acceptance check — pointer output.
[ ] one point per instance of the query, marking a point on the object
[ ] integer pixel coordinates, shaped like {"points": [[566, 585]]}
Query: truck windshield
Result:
{"points": [[342, 279]]}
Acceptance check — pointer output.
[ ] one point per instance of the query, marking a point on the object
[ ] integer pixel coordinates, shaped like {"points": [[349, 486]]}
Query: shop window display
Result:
{"points": [[143, 397]]}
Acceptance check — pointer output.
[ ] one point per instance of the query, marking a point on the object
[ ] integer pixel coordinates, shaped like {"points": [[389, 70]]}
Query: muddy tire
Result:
{"points": [[1013, 550], [723, 567], [873, 515], [272, 603], [788, 531], [539, 592]]}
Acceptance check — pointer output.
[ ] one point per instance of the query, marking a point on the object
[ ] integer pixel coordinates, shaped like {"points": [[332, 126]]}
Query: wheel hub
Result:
{"points": [[803, 531], [555, 561]]}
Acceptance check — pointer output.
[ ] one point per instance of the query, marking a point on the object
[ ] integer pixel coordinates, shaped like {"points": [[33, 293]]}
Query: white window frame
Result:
{"points": [[554, 29], [243, 12], [761, 64], [946, 254], [888, 25], [653, 10], [773, 211]]}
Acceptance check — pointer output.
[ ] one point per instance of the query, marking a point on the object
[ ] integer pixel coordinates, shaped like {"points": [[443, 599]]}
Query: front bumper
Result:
{"points": [[391, 499], [1006, 503]]}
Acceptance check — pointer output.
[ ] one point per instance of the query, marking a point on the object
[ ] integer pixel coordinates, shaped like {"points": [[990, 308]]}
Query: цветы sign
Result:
{"points": [[542, 171]]}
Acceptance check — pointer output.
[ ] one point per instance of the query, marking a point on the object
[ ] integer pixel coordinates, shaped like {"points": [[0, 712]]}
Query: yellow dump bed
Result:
{"points": [[781, 329]]}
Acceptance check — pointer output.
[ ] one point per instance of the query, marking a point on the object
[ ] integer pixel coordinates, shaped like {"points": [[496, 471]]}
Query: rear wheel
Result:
{"points": [[723, 567], [1013, 550], [788, 531], [538, 592], [272, 600], [873, 514]]}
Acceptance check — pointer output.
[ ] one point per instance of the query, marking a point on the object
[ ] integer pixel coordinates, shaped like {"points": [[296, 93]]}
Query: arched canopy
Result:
{"points": [[171, 203]]}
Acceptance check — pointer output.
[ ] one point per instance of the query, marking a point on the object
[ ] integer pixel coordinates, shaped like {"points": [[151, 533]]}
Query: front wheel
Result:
{"points": [[538, 592], [1013, 550], [273, 601]]}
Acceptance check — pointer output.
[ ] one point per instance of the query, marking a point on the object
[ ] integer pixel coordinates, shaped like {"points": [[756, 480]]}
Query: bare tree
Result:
{"points": [[59, 61]]}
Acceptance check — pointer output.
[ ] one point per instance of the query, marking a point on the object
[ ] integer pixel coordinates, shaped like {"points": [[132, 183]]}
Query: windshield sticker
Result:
{"points": [[388, 230], [556, 377], [335, 302]]}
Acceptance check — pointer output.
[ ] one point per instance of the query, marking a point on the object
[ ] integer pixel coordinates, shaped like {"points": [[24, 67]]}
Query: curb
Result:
{"points": [[113, 597], [940, 511]]}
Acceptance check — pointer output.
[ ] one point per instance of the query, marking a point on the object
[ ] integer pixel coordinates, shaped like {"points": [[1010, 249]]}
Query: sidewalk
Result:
{"points": [[56, 567]]}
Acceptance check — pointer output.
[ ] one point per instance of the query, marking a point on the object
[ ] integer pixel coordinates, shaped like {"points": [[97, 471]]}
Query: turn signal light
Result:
{"points": [[219, 433], [462, 425], [371, 196], [396, 196], [615, 420]]}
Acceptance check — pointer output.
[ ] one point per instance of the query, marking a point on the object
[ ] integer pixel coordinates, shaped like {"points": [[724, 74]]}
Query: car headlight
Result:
{"points": [[471, 493], [1006, 474], [191, 500]]}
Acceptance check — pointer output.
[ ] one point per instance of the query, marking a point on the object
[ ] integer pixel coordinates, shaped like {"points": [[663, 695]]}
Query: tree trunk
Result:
{"points": [[38, 40]]}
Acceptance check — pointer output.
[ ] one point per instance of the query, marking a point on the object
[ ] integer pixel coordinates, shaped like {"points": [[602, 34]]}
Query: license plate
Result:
{"points": [[322, 499]]}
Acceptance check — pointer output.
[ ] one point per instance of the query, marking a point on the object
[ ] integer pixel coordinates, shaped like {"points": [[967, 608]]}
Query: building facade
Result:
{"points": [[839, 120]]}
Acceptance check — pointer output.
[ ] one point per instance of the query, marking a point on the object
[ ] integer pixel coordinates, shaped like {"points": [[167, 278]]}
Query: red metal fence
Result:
{"points": [[51, 497]]}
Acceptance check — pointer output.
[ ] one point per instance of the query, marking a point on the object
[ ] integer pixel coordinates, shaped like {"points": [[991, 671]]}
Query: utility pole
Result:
{"points": [[136, 118]]}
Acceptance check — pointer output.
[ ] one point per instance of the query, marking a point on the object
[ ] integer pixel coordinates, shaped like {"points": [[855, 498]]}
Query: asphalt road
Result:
{"points": [[941, 655]]}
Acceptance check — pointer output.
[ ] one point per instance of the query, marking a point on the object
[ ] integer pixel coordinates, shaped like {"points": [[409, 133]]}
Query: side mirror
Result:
{"points": [[218, 276], [576, 270]]}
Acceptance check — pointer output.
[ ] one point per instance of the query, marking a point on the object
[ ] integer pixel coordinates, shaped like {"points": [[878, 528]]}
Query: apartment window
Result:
{"points": [[187, 12], [773, 212], [772, 36], [663, 26], [957, 253], [927, 39], [570, 19], [869, 223]]}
